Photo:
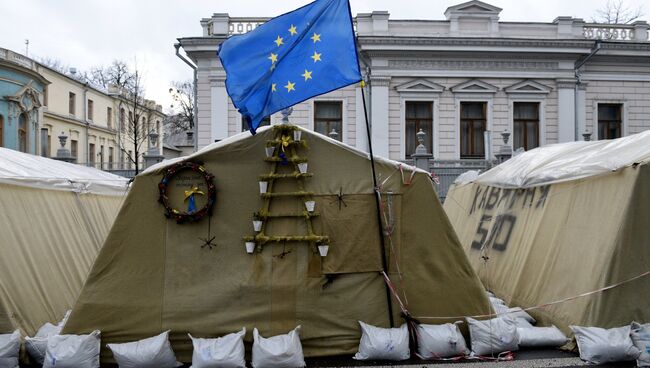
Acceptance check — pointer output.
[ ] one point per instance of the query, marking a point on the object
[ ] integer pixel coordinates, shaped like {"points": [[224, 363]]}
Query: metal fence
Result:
{"points": [[446, 171]]}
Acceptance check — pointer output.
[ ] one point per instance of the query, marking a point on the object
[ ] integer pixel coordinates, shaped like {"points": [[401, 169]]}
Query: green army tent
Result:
{"points": [[154, 274], [559, 221], [54, 217]]}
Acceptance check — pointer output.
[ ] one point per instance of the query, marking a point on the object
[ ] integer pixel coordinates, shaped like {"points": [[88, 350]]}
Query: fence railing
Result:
{"points": [[446, 171]]}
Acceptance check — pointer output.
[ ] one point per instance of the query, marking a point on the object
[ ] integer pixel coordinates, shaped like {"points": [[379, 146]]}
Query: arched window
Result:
{"points": [[22, 133], [2, 131]]}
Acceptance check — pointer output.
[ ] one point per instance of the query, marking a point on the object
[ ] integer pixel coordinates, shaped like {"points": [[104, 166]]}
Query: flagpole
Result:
{"points": [[384, 263]]}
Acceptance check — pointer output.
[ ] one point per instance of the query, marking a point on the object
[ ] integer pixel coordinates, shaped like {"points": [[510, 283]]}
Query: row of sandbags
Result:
{"points": [[596, 345]]}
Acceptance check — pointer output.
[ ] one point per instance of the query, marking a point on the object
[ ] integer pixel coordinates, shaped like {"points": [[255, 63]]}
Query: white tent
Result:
{"points": [[54, 217]]}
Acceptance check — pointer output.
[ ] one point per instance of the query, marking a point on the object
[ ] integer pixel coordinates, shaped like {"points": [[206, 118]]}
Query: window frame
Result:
{"points": [[622, 110], [23, 118], [486, 127], [90, 110], [46, 144], [539, 123], [109, 117], [74, 148], [72, 103], [342, 104], [91, 154], [429, 140]]}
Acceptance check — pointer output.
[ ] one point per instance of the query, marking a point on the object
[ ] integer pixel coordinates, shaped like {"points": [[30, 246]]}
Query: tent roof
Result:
{"points": [[568, 161], [246, 135], [26, 170]]}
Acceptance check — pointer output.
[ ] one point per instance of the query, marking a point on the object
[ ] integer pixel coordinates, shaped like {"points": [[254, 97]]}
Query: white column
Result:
{"points": [[566, 111], [581, 105], [362, 134], [379, 115], [219, 112]]}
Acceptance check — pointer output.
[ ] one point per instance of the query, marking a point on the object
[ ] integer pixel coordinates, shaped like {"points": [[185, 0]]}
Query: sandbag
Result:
{"points": [[73, 351], [541, 337], [36, 346], [9, 349], [440, 341], [493, 336], [281, 351], [517, 312], [522, 323], [223, 352], [152, 352], [383, 343], [640, 335], [598, 345]]}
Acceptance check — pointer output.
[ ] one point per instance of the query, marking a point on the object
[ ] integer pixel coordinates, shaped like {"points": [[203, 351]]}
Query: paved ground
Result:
{"points": [[523, 359]]}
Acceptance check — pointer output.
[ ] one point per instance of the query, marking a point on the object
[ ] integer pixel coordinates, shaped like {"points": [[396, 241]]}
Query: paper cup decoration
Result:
{"points": [[310, 205], [270, 151], [302, 167], [297, 134], [263, 186], [250, 247], [323, 249]]}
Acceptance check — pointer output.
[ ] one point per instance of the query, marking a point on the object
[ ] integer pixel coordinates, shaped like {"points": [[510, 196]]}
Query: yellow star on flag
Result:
{"points": [[307, 74], [273, 87], [290, 86], [278, 41], [316, 56], [273, 58], [293, 30], [315, 37]]}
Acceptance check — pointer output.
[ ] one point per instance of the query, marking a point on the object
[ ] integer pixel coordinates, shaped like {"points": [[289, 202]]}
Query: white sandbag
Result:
{"points": [[440, 341], [517, 312], [9, 349], [73, 351], [598, 345], [522, 323], [536, 337], [493, 336], [281, 351], [383, 343], [640, 335], [223, 352], [152, 352], [37, 345]]}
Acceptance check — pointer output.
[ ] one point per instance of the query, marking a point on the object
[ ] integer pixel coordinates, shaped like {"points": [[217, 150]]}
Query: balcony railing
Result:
{"points": [[614, 32], [244, 25], [17, 58]]}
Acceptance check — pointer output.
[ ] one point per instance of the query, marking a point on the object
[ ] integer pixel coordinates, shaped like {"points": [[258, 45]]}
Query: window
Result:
{"points": [[122, 117], [74, 147], [609, 121], [128, 159], [525, 122], [109, 117], [91, 153], [72, 101], [2, 131], [90, 109], [244, 125], [22, 132], [101, 157], [45, 142], [158, 126], [472, 126], [419, 115], [328, 117], [110, 158], [130, 118]]}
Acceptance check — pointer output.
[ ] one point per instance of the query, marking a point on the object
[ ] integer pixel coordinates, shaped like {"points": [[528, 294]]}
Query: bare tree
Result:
{"points": [[135, 128], [182, 118], [117, 74], [617, 12]]}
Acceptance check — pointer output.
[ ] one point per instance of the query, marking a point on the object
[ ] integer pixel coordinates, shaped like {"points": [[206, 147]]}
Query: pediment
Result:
{"points": [[474, 7], [474, 86], [26, 97], [528, 86], [420, 86]]}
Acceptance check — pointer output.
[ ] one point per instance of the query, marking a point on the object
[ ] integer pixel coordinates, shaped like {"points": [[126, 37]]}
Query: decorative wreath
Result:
{"points": [[187, 216]]}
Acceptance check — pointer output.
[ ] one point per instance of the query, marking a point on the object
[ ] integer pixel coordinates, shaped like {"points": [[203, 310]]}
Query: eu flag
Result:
{"points": [[301, 54]]}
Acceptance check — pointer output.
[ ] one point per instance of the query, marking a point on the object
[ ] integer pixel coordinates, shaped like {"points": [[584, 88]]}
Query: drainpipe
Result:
{"points": [[196, 109], [85, 116], [576, 69]]}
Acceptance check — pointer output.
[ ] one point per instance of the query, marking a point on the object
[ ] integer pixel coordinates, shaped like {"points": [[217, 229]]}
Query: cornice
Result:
{"points": [[377, 81], [472, 64]]}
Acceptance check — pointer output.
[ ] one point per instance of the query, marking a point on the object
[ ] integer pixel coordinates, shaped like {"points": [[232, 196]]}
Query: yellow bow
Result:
{"points": [[285, 141], [191, 192]]}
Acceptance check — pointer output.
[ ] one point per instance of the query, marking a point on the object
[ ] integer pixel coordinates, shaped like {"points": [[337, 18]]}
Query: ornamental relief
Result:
{"points": [[472, 64]]}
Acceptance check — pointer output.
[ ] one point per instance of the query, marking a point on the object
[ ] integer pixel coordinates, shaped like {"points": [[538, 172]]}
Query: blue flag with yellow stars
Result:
{"points": [[301, 54]]}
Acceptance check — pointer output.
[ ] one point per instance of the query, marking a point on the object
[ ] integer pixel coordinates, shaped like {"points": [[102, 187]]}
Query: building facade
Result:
{"points": [[463, 81], [21, 92], [95, 123]]}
